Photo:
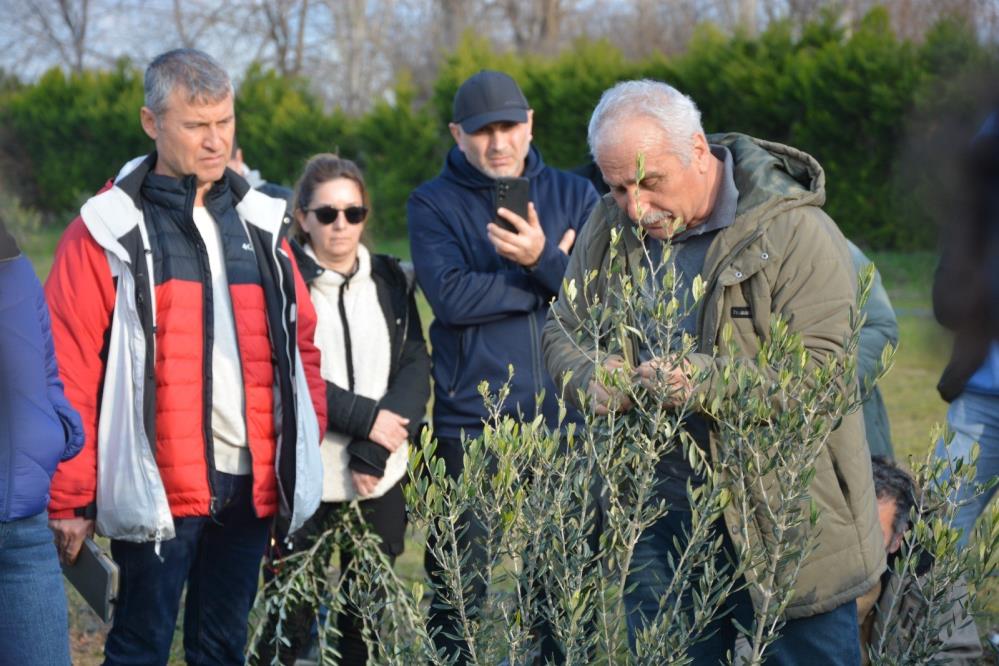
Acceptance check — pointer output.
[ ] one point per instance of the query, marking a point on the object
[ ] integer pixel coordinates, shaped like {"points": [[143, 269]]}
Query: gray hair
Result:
{"points": [[198, 73], [673, 111]]}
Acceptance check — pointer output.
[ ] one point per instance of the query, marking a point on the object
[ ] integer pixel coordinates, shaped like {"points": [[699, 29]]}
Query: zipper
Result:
{"points": [[535, 357], [157, 542], [452, 388], [404, 332], [633, 351], [239, 350], [206, 374], [348, 347], [150, 289], [289, 315]]}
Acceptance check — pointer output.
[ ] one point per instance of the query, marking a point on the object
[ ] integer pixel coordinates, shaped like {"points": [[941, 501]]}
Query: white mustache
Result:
{"points": [[654, 218]]}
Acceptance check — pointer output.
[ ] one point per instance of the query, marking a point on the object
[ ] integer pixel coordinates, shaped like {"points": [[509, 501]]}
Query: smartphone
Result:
{"points": [[512, 194], [95, 576]]}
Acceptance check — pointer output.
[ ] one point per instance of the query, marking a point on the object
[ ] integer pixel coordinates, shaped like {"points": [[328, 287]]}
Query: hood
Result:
{"points": [[113, 211], [771, 177], [459, 170]]}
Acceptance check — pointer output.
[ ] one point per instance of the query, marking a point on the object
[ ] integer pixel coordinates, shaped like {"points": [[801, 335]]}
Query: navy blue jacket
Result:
{"points": [[38, 428], [488, 311]]}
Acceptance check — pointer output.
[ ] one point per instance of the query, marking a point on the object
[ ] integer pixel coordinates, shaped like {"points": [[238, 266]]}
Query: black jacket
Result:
{"points": [[409, 373], [966, 284]]}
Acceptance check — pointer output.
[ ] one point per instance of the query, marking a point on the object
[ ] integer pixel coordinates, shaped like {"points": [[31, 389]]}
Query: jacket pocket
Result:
{"points": [[827, 490]]}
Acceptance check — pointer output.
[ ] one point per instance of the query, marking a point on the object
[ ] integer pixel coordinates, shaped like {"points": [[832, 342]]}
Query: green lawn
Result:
{"points": [[909, 389]]}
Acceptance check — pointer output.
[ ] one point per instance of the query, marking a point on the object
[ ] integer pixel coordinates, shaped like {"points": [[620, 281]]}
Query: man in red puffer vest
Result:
{"points": [[184, 335]]}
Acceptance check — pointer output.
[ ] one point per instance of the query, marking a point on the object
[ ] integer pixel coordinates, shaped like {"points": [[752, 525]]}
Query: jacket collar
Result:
{"points": [[308, 267], [139, 170], [117, 209], [362, 270], [383, 266], [459, 170]]}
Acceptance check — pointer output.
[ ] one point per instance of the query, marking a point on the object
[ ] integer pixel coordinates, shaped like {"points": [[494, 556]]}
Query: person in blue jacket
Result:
{"points": [[38, 428], [488, 287]]}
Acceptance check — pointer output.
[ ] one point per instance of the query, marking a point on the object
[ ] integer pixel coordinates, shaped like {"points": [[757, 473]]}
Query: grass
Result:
{"points": [[909, 390], [40, 246]]}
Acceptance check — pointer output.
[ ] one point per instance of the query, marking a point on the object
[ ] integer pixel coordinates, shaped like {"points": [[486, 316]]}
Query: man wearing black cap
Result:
{"points": [[489, 287]]}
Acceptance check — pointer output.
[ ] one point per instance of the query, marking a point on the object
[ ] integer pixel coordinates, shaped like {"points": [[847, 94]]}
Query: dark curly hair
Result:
{"points": [[894, 483]]}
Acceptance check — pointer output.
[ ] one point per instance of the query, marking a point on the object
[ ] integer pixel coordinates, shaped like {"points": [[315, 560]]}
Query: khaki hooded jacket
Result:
{"points": [[783, 255]]}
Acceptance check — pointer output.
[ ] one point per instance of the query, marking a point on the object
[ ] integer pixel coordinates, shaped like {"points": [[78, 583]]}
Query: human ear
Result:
{"points": [[456, 133], [701, 153], [896, 543], [148, 120]]}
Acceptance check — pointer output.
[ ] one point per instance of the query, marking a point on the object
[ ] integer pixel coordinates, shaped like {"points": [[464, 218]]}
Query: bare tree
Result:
{"points": [[642, 27], [535, 25], [355, 43], [353, 51], [801, 12], [285, 24], [61, 25], [748, 16], [194, 21], [453, 16]]}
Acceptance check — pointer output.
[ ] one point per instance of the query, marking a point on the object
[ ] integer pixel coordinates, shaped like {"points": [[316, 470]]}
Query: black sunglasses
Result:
{"points": [[328, 214]]}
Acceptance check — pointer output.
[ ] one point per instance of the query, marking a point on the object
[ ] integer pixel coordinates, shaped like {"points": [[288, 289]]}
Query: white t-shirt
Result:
{"points": [[228, 424]]}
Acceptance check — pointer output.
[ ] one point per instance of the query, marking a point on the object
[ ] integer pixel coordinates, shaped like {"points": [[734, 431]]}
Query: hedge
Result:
{"points": [[846, 98]]}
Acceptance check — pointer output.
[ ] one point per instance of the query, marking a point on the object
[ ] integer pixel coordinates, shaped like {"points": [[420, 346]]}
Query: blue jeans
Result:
{"points": [[33, 619], [829, 638], [219, 560], [974, 418]]}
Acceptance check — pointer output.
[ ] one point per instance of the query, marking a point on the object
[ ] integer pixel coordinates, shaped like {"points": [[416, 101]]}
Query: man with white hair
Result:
{"points": [[745, 216], [185, 339]]}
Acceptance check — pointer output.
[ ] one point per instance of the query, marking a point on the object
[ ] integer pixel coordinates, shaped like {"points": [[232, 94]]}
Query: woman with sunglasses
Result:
{"points": [[377, 372]]}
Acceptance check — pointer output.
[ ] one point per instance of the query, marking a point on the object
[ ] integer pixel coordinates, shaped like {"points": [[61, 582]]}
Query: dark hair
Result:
{"points": [[894, 483], [320, 169]]}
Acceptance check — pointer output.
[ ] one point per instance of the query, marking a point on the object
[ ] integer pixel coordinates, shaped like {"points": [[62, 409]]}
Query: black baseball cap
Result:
{"points": [[489, 97]]}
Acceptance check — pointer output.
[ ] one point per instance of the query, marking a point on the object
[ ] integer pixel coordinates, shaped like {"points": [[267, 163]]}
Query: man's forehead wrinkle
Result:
{"points": [[645, 143], [631, 178], [198, 107], [621, 168]]}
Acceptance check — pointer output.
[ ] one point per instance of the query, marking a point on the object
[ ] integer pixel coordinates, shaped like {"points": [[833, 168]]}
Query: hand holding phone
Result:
{"points": [[514, 195], [95, 576]]}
